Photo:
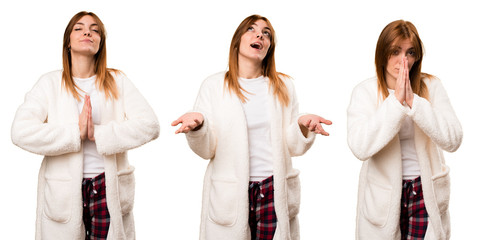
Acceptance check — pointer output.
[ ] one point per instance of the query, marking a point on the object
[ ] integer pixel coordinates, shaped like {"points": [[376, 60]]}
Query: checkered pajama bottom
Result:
{"points": [[414, 216], [95, 212], [262, 218]]}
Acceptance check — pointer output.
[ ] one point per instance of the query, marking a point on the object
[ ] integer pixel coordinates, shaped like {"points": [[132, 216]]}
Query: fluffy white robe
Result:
{"points": [[373, 128], [47, 124], [223, 140]]}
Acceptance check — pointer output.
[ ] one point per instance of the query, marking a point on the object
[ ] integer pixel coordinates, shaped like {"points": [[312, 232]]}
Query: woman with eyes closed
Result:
{"points": [[83, 119], [398, 124], [246, 122]]}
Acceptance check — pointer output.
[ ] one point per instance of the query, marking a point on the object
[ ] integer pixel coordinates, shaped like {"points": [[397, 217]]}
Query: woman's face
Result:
{"points": [[401, 49], [255, 42], [85, 38]]}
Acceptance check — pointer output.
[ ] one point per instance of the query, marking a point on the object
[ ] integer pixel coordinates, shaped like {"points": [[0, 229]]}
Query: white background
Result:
{"points": [[168, 47]]}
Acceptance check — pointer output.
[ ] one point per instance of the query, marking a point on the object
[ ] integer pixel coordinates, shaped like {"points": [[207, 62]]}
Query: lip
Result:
{"points": [[257, 43], [86, 40]]}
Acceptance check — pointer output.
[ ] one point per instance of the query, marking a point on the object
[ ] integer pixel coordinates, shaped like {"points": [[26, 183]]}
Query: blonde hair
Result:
{"points": [[391, 34], [268, 64], [104, 81]]}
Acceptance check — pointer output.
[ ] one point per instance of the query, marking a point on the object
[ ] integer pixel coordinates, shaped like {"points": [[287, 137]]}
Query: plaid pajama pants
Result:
{"points": [[95, 212], [262, 218], [413, 216]]}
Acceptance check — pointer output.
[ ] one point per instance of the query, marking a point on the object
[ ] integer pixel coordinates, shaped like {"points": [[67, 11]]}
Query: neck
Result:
{"points": [[249, 69], [82, 66], [391, 82]]}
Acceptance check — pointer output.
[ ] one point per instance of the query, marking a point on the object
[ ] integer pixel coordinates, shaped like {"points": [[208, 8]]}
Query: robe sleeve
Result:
{"points": [[139, 127], [32, 131], [371, 125], [296, 142], [437, 118], [203, 141]]}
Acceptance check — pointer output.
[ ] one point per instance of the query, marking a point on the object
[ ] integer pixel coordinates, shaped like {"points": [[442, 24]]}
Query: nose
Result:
{"points": [[259, 35], [87, 33]]}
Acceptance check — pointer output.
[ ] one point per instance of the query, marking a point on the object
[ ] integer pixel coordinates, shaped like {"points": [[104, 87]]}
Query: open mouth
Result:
{"points": [[256, 46]]}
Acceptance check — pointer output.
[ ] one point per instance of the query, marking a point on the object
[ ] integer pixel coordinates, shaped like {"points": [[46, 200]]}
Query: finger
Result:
{"points": [[84, 108], [402, 70], [179, 130], [89, 114], [402, 66], [193, 125], [185, 129], [198, 122], [176, 122], [90, 124], [406, 72], [409, 85], [325, 121], [320, 130], [89, 102], [182, 129], [307, 123]]}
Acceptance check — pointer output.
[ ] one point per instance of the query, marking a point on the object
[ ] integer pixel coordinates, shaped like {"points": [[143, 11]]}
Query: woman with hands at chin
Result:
{"points": [[83, 119], [398, 124], [246, 122]]}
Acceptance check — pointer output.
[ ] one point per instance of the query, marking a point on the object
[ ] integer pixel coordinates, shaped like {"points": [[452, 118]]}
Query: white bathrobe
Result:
{"points": [[223, 139], [47, 124], [373, 128]]}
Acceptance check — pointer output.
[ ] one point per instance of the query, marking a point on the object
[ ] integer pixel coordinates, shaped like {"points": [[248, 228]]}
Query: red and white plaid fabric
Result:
{"points": [[262, 218], [413, 216], [95, 212]]}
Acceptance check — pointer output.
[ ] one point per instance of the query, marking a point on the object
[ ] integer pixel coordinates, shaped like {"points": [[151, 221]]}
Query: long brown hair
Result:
{"points": [[393, 32], [268, 63], [104, 81]]}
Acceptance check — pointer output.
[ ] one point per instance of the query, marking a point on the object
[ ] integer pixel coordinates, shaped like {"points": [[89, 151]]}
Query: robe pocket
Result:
{"points": [[126, 189], [441, 189], [293, 193], [58, 199], [223, 202], [376, 205]]}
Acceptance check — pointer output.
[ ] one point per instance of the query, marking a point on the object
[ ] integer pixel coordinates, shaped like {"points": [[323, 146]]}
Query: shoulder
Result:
{"points": [[214, 80], [52, 76], [370, 83], [50, 79], [118, 75], [287, 80], [366, 87], [121, 80], [430, 80], [434, 86], [217, 77]]}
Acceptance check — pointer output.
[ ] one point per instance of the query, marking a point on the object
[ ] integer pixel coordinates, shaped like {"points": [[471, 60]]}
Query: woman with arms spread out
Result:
{"points": [[398, 123], [83, 119], [246, 122]]}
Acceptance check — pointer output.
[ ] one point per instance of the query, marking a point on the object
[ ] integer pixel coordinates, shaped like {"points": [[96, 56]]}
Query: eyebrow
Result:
{"points": [[263, 28], [80, 23], [398, 47]]}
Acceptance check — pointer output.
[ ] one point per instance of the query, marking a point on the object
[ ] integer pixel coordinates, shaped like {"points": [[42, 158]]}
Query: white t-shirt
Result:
{"points": [[258, 124], [93, 163], [410, 165]]}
